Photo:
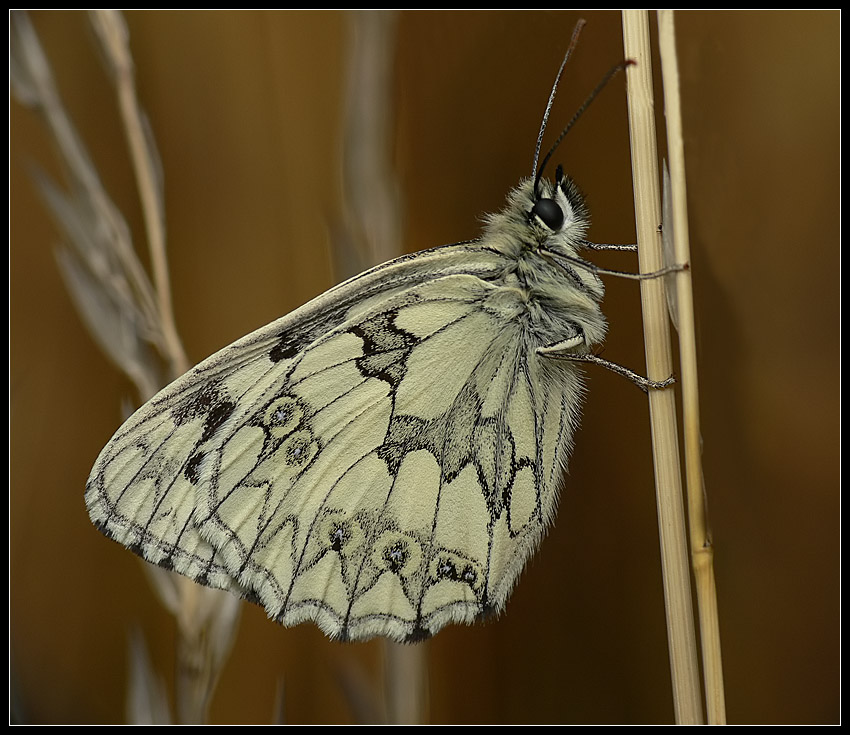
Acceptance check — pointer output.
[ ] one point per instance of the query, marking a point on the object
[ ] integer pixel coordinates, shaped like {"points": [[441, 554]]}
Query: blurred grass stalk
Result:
{"points": [[702, 549], [372, 234], [111, 32], [681, 634], [132, 321]]}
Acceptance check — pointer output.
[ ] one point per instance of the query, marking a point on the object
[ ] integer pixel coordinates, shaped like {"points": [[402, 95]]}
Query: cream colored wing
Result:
{"points": [[382, 461]]}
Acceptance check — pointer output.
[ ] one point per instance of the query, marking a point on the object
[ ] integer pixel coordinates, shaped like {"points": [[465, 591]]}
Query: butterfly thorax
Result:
{"points": [[558, 294]]}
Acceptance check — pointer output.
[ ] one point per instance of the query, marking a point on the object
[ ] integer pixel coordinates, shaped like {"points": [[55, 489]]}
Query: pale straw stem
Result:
{"points": [[702, 549], [662, 408]]}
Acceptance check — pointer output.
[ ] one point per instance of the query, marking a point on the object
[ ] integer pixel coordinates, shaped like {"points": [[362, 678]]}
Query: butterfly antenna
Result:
{"points": [[573, 43], [592, 96]]}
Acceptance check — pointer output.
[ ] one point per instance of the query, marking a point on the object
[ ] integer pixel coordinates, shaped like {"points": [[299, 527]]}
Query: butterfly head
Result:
{"points": [[548, 211], [557, 212]]}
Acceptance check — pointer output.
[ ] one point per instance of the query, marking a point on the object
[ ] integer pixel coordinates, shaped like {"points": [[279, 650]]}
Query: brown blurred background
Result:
{"points": [[246, 110]]}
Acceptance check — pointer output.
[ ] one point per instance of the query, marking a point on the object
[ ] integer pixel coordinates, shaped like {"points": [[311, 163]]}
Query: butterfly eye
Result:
{"points": [[549, 213]]}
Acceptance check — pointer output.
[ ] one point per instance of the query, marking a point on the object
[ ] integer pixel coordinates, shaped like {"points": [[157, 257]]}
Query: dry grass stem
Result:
{"points": [[671, 520], [702, 550], [111, 31], [147, 700], [102, 272], [129, 318]]}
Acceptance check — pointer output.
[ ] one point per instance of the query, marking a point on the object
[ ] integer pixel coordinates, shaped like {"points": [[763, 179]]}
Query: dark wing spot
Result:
{"points": [[192, 471], [386, 348], [218, 414], [338, 537], [395, 555], [211, 403], [198, 403], [405, 434], [285, 349]]}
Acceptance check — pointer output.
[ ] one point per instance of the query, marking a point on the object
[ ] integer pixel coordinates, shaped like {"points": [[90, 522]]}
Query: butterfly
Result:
{"points": [[384, 459]]}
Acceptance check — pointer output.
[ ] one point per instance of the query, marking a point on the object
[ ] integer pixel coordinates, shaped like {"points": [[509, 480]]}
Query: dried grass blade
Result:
{"points": [[671, 522], [702, 549]]}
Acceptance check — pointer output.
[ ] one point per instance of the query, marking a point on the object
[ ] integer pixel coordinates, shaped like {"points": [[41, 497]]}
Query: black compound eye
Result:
{"points": [[549, 213]]}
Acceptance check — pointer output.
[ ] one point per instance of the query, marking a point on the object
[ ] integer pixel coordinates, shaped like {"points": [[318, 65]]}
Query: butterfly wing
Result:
{"points": [[381, 461]]}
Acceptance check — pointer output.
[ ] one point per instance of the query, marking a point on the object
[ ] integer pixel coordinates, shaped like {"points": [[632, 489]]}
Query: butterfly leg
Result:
{"points": [[666, 270], [630, 248], [558, 352], [565, 261]]}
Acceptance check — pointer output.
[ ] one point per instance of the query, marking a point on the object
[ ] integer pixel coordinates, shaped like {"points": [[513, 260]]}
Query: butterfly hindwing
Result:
{"points": [[381, 461]]}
